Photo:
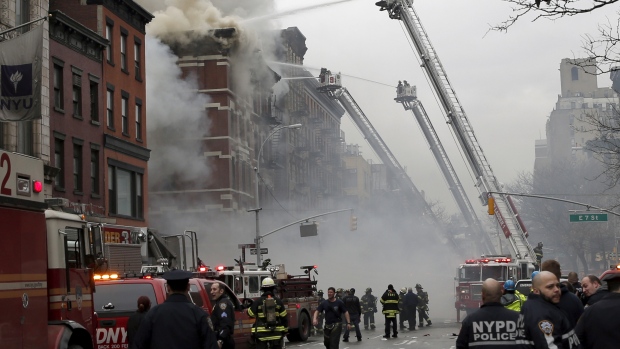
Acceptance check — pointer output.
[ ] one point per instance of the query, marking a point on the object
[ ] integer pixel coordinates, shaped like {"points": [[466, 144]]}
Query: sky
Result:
{"points": [[508, 84]]}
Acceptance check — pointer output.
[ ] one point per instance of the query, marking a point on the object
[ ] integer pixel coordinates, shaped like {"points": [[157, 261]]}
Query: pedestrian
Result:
{"points": [[592, 289], [271, 323], [598, 326], [133, 324], [176, 323], [493, 326], [222, 316], [541, 324], [573, 279], [352, 303], [401, 307], [569, 303], [512, 299], [319, 326], [369, 308], [411, 305], [333, 309], [390, 310], [422, 306]]}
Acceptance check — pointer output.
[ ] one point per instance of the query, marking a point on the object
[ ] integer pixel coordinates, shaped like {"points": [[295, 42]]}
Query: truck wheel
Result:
{"points": [[302, 332]]}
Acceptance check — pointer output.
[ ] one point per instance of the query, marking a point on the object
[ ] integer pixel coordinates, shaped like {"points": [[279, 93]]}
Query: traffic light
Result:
{"points": [[353, 223], [491, 205]]}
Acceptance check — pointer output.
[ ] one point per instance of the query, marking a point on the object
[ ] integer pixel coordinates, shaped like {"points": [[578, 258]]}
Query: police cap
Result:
{"points": [[176, 275]]}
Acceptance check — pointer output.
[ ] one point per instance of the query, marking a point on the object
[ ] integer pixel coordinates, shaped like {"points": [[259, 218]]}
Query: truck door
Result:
{"points": [[76, 297]]}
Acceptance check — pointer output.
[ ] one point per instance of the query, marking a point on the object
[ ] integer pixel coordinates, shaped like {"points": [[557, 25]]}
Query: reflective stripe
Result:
{"points": [[264, 329], [250, 312], [568, 334], [271, 338], [282, 314]]}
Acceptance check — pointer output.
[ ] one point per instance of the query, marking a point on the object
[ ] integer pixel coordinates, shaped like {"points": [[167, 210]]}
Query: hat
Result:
{"points": [[509, 285], [403, 290], [391, 287], [614, 277], [177, 275], [418, 286]]}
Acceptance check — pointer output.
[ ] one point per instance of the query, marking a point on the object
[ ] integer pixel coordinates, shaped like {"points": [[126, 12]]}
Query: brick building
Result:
{"points": [[124, 149]]}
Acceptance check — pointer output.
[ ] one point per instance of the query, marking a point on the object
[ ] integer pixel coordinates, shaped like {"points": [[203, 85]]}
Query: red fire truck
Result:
{"points": [[45, 285], [471, 274]]}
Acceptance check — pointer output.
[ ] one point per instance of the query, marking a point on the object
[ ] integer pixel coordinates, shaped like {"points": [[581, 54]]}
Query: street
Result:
{"points": [[438, 336]]}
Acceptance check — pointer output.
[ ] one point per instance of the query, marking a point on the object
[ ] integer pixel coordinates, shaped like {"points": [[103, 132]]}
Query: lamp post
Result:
{"points": [[257, 172]]}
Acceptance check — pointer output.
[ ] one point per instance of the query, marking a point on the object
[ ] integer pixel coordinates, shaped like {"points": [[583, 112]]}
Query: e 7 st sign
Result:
{"points": [[587, 217]]}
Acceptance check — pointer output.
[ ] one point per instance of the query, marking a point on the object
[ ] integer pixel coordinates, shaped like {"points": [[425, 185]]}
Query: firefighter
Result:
{"points": [[512, 299], [369, 308], [352, 303], [319, 327], [401, 308], [422, 306], [399, 89], [538, 250], [339, 293], [390, 310], [271, 323], [222, 316]]}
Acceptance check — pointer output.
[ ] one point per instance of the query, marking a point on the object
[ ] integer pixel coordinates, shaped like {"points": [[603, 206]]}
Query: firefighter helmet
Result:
{"points": [[339, 290], [268, 282], [418, 286], [352, 290], [509, 285], [368, 289], [403, 290], [320, 292]]}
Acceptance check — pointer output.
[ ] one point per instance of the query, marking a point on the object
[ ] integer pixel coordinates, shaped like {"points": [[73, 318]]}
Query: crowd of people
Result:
{"points": [[567, 315]]}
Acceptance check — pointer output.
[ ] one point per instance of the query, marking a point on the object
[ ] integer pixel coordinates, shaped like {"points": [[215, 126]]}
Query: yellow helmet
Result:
{"points": [[268, 282]]}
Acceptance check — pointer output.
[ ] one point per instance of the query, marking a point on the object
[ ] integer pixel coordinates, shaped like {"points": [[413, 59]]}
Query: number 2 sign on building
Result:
{"points": [[587, 217]]}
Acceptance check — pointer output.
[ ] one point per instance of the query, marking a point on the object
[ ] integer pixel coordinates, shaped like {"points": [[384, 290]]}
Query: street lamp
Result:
{"points": [[257, 171]]}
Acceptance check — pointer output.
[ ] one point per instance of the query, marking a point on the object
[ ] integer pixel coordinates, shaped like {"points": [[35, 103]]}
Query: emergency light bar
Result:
{"points": [[487, 260]]}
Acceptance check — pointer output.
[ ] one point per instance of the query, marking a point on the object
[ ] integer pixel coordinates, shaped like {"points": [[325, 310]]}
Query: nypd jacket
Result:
{"points": [[491, 327], [223, 317], [598, 326], [390, 303], [571, 305], [542, 325]]}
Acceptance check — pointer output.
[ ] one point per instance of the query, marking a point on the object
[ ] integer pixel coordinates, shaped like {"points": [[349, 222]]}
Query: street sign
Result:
{"points": [[308, 230], [263, 250], [246, 246], [587, 217]]}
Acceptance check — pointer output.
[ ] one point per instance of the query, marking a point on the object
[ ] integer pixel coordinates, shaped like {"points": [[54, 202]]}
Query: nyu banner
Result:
{"points": [[20, 76]]}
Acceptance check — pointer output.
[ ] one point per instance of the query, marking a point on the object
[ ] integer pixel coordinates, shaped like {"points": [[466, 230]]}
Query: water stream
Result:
{"points": [[293, 11]]}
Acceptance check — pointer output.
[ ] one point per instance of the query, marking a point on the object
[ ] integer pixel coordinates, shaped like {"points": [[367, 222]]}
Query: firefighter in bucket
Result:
{"points": [[271, 319]]}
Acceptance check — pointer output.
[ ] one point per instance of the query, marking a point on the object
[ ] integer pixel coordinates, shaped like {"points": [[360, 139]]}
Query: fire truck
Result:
{"points": [[471, 274], [46, 287], [298, 292]]}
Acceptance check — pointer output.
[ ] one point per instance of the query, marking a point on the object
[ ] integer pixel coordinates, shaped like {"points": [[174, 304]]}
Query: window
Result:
{"points": [[59, 162], [108, 35], [136, 58], [25, 138], [125, 189], [110, 108], [574, 73], [74, 247], [138, 119], [58, 99], [77, 95], [94, 101], [124, 112], [22, 14], [77, 167], [94, 171], [124, 52]]}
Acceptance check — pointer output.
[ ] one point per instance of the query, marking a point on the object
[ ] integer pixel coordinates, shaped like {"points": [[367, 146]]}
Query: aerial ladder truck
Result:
{"points": [[487, 184], [331, 85], [406, 95]]}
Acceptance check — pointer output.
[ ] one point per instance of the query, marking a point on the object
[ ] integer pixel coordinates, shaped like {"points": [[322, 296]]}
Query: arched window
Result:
{"points": [[574, 73]]}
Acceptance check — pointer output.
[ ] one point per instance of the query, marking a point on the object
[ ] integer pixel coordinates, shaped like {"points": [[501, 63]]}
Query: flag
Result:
{"points": [[20, 76]]}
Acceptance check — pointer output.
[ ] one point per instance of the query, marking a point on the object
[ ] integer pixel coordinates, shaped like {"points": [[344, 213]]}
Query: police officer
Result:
{"points": [[501, 334], [422, 306], [389, 299], [319, 326], [177, 323], [401, 307], [222, 316], [352, 303], [512, 299], [271, 320], [369, 308], [541, 323]]}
